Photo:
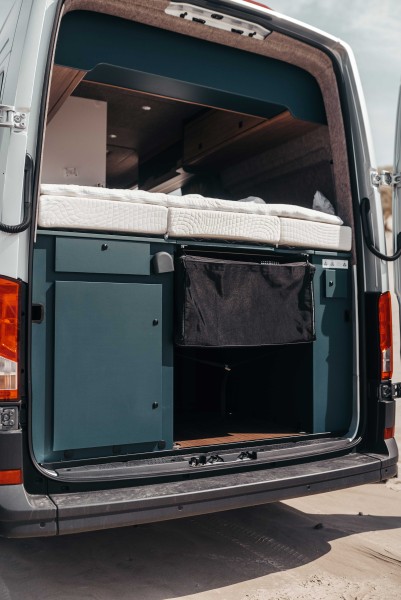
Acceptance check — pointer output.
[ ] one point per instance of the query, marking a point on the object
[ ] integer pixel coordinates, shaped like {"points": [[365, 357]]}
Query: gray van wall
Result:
{"points": [[290, 173]]}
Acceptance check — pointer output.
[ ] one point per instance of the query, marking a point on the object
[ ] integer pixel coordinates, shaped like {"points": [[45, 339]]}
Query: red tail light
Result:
{"points": [[9, 338], [386, 336], [389, 432]]}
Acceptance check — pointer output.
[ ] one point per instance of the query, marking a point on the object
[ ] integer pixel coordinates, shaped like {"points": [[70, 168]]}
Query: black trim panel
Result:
{"points": [[10, 448], [26, 515]]}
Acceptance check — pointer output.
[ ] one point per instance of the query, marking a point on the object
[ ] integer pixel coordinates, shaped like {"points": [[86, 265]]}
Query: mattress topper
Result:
{"points": [[194, 201]]}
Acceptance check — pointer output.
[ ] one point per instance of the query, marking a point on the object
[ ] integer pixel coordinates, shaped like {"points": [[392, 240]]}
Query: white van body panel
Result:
{"points": [[22, 89], [397, 199]]}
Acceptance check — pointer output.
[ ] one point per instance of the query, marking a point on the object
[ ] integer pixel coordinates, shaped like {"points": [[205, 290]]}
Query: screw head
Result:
{"points": [[105, 246], [155, 322]]}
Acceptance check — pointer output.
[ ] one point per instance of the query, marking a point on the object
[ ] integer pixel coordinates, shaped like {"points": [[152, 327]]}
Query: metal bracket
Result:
{"points": [[375, 178], [385, 178], [204, 459], [12, 118], [396, 390], [8, 418], [389, 391]]}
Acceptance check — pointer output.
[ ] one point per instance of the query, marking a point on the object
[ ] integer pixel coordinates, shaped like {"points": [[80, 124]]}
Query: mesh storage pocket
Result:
{"points": [[222, 303]]}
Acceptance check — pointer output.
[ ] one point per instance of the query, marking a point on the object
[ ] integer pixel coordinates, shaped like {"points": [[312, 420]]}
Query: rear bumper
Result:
{"points": [[26, 515]]}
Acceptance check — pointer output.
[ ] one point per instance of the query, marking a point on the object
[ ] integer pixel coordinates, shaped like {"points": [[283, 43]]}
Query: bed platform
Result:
{"points": [[189, 217]]}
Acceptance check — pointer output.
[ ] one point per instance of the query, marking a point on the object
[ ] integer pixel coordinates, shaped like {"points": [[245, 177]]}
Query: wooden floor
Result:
{"points": [[232, 438], [209, 431]]}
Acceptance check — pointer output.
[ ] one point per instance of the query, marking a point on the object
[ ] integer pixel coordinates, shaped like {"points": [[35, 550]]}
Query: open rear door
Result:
{"points": [[397, 200]]}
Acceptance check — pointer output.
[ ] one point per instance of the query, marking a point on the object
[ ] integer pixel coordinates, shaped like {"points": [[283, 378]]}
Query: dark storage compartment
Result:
{"points": [[264, 347], [243, 320], [234, 395], [234, 303]]}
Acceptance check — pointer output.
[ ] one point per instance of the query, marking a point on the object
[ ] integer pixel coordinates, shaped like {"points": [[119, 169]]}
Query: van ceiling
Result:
{"points": [[139, 133], [169, 64]]}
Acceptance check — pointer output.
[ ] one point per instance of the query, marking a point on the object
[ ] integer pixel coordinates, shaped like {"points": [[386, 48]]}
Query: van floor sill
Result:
{"points": [[231, 438], [202, 462]]}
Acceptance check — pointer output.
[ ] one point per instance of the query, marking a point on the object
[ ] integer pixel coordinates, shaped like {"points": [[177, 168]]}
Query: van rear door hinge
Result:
{"points": [[396, 390], [385, 178], [389, 391], [11, 117]]}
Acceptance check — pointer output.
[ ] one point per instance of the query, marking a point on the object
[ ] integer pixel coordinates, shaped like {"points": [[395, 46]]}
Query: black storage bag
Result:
{"points": [[225, 303]]}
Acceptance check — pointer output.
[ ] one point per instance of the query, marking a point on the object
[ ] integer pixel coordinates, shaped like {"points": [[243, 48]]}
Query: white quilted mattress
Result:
{"points": [[191, 216], [294, 232], [188, 201], [215, 224], [87, 213]]}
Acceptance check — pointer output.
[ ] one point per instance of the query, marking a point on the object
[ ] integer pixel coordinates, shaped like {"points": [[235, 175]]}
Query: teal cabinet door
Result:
{"points": [[107, 364]]}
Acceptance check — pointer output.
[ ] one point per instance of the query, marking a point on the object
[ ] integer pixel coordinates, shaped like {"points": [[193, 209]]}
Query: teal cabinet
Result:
{"points": [[333, 348], [102, 355], [107, 364], [104, 255]]}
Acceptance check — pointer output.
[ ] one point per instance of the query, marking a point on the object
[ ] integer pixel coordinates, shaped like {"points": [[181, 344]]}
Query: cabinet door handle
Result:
{"points": [[163, 263]]}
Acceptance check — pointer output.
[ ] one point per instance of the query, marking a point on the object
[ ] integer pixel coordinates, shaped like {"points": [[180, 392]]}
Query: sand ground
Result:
{"points": [[343, 545], [340, 545]]}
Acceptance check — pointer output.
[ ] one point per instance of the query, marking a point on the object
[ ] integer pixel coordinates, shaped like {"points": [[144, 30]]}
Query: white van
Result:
{"points": [[194, 304]]}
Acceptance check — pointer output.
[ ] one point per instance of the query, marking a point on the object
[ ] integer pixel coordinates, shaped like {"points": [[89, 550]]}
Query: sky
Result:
{"points": [[373, 29]]}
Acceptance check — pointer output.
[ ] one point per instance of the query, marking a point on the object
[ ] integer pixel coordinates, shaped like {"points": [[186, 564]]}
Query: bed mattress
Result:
{"points": [[191, 216], [189, 201], [99, 215], [215, 224], [308, 234]]}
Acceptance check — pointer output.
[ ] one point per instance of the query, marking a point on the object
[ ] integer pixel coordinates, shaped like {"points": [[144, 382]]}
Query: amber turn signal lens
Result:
{"points": [[11, 477]]}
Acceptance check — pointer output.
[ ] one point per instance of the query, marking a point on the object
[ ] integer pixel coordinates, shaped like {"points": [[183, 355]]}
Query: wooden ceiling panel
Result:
{"points": [[145, 131], [63, 83], [142, 129]]}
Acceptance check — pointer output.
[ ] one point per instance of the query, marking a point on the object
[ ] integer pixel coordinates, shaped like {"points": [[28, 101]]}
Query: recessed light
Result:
{"points": [[112, 136], [146, 107]]}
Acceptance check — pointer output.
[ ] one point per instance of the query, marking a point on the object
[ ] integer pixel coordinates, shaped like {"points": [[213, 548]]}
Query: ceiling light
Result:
{"points": [[146, 107], [112, 136], [219, 20]]}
